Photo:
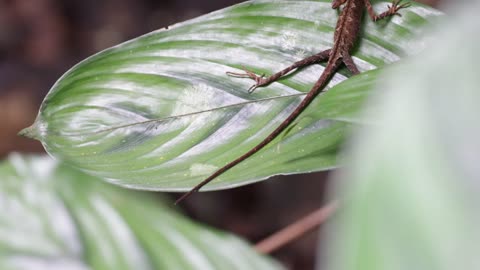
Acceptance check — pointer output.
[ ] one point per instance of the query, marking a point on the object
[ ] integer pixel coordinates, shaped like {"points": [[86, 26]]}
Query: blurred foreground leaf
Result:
{"points": [[412, 192], [56, 218], [159, 112]]}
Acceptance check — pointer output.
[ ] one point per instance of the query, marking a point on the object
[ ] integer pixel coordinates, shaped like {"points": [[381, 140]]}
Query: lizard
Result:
{"points": [[345, 36]]}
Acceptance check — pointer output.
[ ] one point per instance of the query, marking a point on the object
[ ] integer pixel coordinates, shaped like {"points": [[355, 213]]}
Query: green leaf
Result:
{"points": [[54, 217], [412, 191], [159, 112]]}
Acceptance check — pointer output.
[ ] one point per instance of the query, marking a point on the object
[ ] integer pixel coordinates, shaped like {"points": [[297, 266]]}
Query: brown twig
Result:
{"points": [[296, 230]]}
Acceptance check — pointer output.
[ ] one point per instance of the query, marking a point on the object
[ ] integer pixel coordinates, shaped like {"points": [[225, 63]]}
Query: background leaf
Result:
{"points": [[159, 113], [54, 217], [412, 191]]}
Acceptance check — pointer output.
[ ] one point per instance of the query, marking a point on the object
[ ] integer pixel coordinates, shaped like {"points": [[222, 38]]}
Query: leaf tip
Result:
{"points": [[32, 132]]}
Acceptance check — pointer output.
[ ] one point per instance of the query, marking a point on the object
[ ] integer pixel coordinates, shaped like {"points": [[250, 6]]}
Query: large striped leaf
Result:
{"points": [[159, 113], [55, 218]]}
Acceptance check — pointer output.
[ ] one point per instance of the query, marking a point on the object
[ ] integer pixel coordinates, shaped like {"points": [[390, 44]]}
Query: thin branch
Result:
{"points": [[296, 230]]}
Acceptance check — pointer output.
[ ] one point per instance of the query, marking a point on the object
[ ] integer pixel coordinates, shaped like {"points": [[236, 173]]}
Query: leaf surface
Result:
{"points": [[159, 112], [56, 218]]}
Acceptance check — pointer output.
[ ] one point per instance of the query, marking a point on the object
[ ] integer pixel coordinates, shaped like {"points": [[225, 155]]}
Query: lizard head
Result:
{"points": [[337, 3]]}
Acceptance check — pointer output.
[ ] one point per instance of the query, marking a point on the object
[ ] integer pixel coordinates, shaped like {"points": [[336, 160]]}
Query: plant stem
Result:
{"points": [[296, 230]]}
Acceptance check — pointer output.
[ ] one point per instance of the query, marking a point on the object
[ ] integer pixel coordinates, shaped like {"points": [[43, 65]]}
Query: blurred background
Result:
{"points": [[41, 39]]}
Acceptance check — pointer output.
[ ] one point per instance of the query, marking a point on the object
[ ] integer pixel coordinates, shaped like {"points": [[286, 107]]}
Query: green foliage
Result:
{"points": [[54, 217], [159, 113], [412, 189]]}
